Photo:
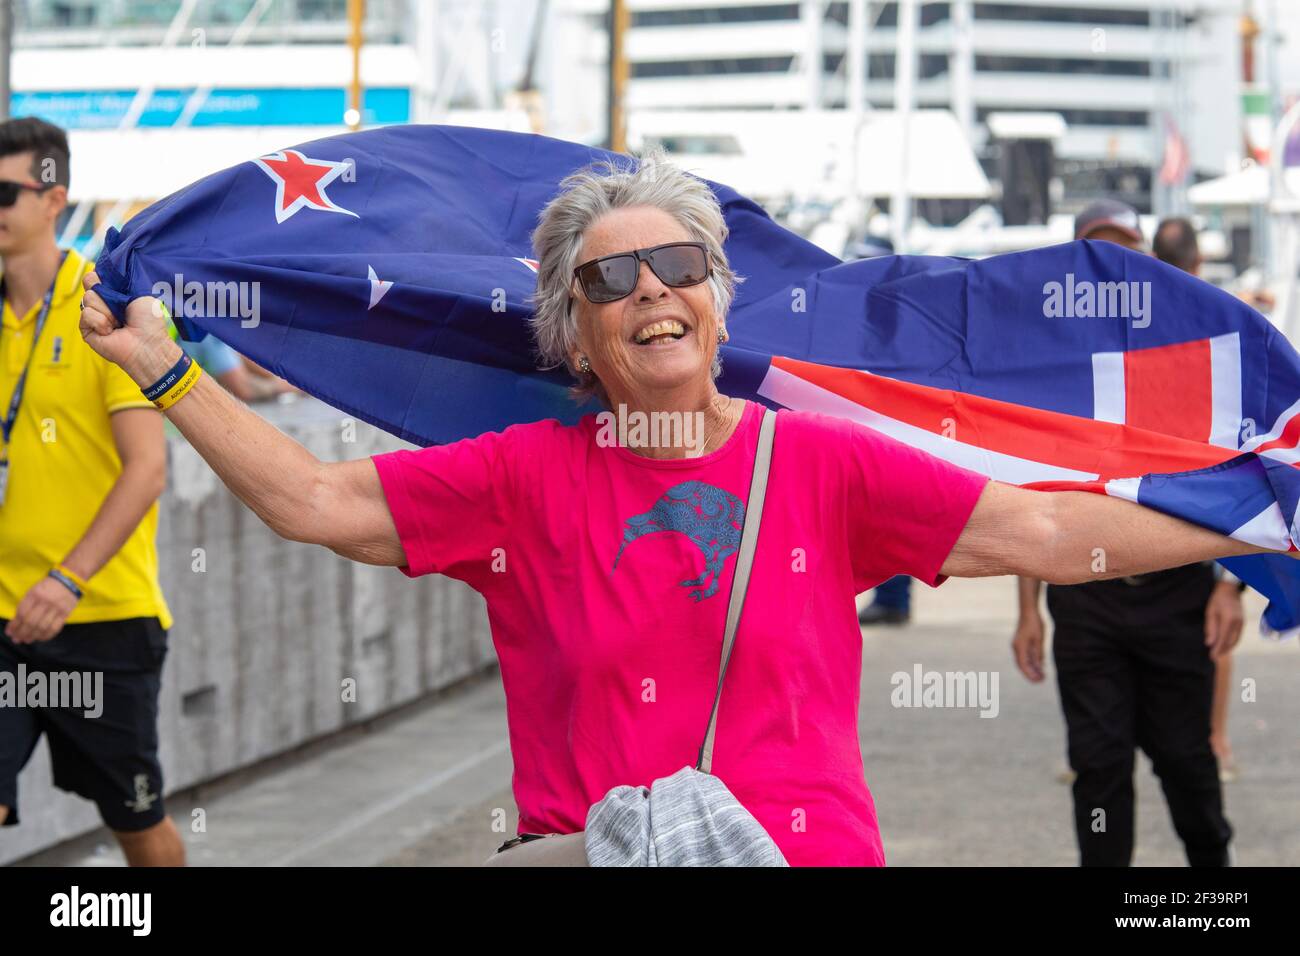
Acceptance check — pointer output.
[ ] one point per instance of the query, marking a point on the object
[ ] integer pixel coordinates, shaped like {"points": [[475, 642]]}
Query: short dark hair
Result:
{"points": [[47, 143], [1176, 244]]}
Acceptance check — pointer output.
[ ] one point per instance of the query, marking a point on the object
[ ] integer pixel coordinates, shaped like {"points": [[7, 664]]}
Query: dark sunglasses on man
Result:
{"points": [[10, 190], [614, 277]]}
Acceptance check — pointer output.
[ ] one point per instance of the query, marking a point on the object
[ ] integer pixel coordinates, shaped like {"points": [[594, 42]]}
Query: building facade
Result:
{"points": [[1123, 74]]}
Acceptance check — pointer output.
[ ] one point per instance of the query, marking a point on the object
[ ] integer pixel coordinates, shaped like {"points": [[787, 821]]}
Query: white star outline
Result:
{"points": [[302, 202]]}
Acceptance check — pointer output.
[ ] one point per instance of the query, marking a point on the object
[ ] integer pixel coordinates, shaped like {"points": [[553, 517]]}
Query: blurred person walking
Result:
{"points": [[891, 604], [1135, 666], [82, 465]]}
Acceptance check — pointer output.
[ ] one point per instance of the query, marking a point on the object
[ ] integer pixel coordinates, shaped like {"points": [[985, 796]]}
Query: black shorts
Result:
{"points": [[110, 758]]}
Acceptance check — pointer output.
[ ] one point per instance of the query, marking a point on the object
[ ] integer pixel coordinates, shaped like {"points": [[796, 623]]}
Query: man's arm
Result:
{"points": [[1028, 591], [1224, 618], [232, 370], [246, 387], [1069, 537], [138, 435], [1027, 642], [269, 381]]}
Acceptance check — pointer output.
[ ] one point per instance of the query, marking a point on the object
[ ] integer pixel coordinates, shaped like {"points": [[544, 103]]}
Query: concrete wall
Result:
{"points": [[266, 632]]}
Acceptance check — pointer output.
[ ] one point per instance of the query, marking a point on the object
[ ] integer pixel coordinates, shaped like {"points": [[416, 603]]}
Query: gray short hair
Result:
{"points": [[586, 195]]}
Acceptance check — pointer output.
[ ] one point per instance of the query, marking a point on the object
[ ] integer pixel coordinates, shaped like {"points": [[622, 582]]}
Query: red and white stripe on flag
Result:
{"points": [[1006, 441], [1032, 447]]}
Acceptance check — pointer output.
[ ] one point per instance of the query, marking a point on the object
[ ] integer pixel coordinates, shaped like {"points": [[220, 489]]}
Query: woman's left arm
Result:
{"points": [[1069, 537]]}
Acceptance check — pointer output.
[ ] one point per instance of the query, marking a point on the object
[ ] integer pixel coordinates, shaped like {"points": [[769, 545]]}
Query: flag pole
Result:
{"points": [[356, 17], [900, 203], [618, 18]]}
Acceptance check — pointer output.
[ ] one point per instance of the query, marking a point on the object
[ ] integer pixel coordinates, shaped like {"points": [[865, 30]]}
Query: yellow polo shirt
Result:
{"points": [[63, 462]]}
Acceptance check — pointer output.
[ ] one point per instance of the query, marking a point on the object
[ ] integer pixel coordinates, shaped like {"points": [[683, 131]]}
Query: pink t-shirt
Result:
{"points": [[607, 609]]}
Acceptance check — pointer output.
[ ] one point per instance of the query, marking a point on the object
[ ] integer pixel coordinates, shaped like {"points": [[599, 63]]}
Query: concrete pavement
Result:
{"points": [[430, 785]]}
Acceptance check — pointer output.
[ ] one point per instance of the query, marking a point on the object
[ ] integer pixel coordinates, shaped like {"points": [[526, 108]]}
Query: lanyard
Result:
{"points": [[8, 424]]}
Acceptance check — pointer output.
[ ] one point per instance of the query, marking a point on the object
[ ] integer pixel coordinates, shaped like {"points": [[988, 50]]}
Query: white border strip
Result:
{"points": [[1126, 488], [1267, 529], [1225, 390], [1275, 432], [1109, 403]]}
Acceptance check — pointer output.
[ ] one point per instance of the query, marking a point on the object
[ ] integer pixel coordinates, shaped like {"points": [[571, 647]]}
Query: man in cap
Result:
{"points": [[1112, 221]]}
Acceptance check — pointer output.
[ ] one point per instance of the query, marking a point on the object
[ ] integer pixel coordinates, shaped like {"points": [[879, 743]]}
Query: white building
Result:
{"points": [[1113, 70]]}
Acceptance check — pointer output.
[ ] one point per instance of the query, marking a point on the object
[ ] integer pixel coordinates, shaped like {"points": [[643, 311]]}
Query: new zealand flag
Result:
{"points": [[392, 276]]}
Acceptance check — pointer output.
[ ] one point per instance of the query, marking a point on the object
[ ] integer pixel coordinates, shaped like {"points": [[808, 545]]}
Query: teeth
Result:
{"points": [[667, 326]]}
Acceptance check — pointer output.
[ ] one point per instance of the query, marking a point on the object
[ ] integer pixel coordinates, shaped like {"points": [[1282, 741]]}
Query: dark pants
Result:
{"points": [[895, 593], [1134, 671], [110, 756]]}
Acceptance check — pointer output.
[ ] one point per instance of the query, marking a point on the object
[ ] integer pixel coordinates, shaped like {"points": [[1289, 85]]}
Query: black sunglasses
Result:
{"points": [[614, 277], [9, 190]]}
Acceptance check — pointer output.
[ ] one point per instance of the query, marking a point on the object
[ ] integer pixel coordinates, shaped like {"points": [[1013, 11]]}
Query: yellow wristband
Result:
{"points": [[76, 578], [178, 391]]}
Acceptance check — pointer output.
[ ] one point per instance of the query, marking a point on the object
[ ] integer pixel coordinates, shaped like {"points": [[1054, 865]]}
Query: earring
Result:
{"points": [[722, 334], [584, 366]]}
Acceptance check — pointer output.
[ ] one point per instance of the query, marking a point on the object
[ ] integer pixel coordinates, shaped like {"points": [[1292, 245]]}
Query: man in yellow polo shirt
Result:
{"points": [[83, 623]]}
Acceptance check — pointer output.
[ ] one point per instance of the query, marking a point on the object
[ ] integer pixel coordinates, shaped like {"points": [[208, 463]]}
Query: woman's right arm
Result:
{"points": [[339, 505]]}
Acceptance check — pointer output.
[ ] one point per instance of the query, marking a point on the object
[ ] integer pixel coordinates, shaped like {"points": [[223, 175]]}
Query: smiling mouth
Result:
{"points": [[665, 330]]}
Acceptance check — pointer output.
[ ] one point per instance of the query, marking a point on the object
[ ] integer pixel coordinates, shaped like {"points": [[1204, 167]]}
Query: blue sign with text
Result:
{"points": [[104, 109]]}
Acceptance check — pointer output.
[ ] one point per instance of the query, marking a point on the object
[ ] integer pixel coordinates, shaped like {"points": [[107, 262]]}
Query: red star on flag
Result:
{"points": [[300, 182]]}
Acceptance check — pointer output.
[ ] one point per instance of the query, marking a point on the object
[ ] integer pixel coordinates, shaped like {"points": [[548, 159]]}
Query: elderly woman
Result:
{"points": [[608, 635]]}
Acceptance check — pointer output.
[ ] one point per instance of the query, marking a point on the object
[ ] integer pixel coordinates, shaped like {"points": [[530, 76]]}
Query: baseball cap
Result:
{"points": [[1108, 212]]}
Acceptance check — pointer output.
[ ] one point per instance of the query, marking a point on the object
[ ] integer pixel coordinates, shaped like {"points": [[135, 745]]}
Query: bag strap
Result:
{"points": [[744, 563]]}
